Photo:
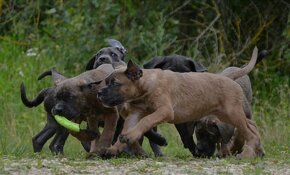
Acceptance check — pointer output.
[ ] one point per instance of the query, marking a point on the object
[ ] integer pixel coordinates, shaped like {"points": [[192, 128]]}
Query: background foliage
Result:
{"points": [[36, 35]]}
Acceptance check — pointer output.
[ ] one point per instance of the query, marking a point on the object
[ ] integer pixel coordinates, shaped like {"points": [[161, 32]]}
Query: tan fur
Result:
{"points": [[165, 96]]}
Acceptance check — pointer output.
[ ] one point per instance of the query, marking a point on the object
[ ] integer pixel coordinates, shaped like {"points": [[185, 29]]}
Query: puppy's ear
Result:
{"points": [[226, 131], [133, 71], [90, 64], [196, 67], [118, 45], [89, 85], [56, 76]]}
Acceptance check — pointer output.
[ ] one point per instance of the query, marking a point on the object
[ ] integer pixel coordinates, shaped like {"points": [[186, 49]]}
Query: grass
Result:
{"points": [[19, 124]]}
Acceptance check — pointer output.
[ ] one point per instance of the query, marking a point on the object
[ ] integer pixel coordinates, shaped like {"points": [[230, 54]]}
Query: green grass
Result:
{"points": [[19, 124]]}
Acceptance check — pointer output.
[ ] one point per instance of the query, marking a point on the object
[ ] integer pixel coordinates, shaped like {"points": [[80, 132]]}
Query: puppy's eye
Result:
{"points": [[115, 83], [99, 53], [113, 55], [70, 98]]}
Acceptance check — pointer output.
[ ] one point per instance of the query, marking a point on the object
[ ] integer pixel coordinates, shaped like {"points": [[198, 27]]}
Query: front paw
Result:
{"points": [[109, 152], [130, 137]]}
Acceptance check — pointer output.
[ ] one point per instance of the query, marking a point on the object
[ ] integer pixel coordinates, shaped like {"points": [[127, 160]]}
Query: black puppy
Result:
{"points": [[115, 55], [178, 63]]}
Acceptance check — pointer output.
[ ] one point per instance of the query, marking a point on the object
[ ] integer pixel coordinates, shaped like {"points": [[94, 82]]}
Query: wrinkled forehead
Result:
{"points": [[108, 50]]}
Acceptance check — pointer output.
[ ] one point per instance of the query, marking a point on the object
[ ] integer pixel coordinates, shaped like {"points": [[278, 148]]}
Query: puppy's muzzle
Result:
{"points": [[57, 110], [102, 60], [100, 95]]}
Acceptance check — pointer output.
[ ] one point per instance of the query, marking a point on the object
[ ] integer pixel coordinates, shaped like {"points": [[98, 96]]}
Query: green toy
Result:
{"points": [[67, 123]]}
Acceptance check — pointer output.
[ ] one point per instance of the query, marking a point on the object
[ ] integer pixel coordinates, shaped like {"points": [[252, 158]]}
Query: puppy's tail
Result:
{"points": [[56, 76], [36, 101], [247, 69], [44, 74]]}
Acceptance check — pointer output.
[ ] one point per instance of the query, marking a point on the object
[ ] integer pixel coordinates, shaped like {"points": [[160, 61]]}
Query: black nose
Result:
{"points": [[57, 110], [103, 58], [99, 94]]}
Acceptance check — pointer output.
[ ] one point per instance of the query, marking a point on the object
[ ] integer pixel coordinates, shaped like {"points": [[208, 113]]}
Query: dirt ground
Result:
{"points": [[141, 166]]}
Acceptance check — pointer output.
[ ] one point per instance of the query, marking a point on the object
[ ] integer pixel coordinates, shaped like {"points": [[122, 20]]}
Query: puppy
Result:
{"points": [[52, 105], [52, 128], [114, 55], [175, 63], [179, 63], [154, 96], [75, 100], [209, 130]]}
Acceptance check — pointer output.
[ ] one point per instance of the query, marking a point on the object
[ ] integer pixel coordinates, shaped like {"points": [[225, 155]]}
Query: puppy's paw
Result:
{"points": [[130, 137], [108, 153], [141, 155], [248, 152]]}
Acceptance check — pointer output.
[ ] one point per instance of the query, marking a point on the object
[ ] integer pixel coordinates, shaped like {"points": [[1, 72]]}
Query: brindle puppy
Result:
{"points": [[55, 106], [51, 128], [75, 100], [153, 96]]}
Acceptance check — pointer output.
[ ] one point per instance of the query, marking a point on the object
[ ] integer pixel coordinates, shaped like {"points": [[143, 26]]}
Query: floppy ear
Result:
{"points": [[56, 76], [89, 85], [155, 63], [90, 64], [133, 71], [118, 45], [196, 67], [226, 131]]}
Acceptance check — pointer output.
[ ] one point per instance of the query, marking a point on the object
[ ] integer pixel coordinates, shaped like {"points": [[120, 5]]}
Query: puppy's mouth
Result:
{"points": [[64, 114], [109, 98], [110, 102]]}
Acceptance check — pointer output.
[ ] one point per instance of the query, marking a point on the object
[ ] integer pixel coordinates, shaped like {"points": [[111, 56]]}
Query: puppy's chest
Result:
{"points": [[144, 106]]}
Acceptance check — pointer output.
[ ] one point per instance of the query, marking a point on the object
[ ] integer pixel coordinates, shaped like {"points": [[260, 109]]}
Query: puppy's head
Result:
{"points": [[72, 97], [76, 96], [122, 86], [114, 55], [175, 63], [209, 132]]}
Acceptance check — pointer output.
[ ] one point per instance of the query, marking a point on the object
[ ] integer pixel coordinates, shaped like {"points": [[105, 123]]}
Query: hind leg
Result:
{"points": [[41, 138], [247, 132], [57, 144]]}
